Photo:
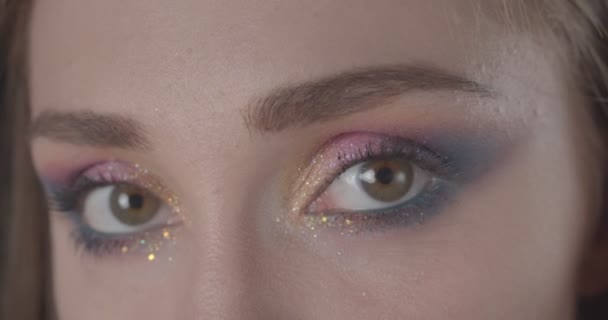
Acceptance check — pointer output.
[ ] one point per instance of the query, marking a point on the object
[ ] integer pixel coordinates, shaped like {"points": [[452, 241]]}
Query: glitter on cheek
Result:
{"points": [[343, 225], [150, 244]]}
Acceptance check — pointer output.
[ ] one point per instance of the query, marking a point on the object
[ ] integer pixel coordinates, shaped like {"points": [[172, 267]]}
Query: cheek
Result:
{"points": [[507, 247], [110, 287]]}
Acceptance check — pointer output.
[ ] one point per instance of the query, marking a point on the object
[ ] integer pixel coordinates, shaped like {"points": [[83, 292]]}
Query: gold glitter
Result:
{"points": [[147, 244], [324, 219], [170, 259], [349, 222]]}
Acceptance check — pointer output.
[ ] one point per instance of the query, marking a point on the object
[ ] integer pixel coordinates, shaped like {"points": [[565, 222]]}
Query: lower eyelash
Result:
{"points": [[66, 200], [97, 244], [412, 213]]}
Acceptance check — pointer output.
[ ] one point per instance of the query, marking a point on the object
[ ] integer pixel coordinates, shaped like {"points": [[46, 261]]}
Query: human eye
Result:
{"points": [[117, 207], [382, 183], [367, 181]]}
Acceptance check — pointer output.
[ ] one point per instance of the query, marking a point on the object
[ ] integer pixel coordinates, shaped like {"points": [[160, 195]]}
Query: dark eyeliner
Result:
{"points": [[452, 160], [67, 199]]}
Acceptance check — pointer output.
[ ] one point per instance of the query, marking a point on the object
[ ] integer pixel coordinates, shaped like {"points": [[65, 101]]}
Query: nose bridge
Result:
{"points": [[221, 277], [220, 280]]}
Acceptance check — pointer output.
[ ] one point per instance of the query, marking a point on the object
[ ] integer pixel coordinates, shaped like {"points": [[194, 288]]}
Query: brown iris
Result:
{"points": [[132, 205], [387, 180]]}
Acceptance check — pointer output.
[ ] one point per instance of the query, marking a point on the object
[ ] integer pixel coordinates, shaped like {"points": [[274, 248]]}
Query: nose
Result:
{"points": [[233, 237], [223, 264]]}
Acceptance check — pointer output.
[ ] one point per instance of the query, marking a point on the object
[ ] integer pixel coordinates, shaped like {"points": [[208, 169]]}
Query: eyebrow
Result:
{"points": [[294, 105], [349, 92], [91, 129]]}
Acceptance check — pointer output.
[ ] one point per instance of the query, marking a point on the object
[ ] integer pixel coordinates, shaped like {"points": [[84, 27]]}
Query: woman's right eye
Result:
{"points": [[123, 209], [117, 207]]}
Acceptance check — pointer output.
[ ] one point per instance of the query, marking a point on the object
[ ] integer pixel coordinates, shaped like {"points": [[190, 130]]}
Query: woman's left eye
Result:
{"points": [[374, 185]]}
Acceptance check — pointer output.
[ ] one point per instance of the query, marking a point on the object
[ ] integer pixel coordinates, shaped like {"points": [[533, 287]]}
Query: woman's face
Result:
{"points": [[307, 160]]}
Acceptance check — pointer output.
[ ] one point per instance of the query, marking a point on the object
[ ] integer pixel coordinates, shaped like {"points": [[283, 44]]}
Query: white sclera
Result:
{"points": [[97, 214], [347, 192]]}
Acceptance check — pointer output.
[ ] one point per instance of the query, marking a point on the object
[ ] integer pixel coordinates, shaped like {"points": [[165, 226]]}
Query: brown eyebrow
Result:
{"points": [[289, 106], [349, 92], [91, 129]]}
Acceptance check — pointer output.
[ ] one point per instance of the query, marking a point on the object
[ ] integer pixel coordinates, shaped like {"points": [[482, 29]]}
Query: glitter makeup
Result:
{"points": [[449, 161], [70, 197]]}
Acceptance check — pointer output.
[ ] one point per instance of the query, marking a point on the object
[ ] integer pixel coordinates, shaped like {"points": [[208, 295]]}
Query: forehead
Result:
{"points": [[119, 54]]}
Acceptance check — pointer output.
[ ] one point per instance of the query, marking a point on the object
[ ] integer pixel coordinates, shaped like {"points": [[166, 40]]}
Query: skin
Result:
{"points": [[508, 247]]}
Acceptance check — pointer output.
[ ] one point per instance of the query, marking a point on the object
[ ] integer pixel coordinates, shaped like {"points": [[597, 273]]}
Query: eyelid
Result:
{"points": [[66, 199], [330, 201], [105, 174], [346, 150]]}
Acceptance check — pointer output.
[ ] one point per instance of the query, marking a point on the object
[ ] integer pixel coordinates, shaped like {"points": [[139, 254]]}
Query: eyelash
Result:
{"points": [[415, 211], [412, 151], [67, 201]]}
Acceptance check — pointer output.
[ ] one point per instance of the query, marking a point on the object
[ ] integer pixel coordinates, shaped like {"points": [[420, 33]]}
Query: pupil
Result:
{"points": [[132, 205], [385, 175], [136, 201]]}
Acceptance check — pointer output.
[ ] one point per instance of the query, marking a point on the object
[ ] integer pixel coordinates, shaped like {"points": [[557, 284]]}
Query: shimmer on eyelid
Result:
{"points": [[463, 159], [115, 172]]}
